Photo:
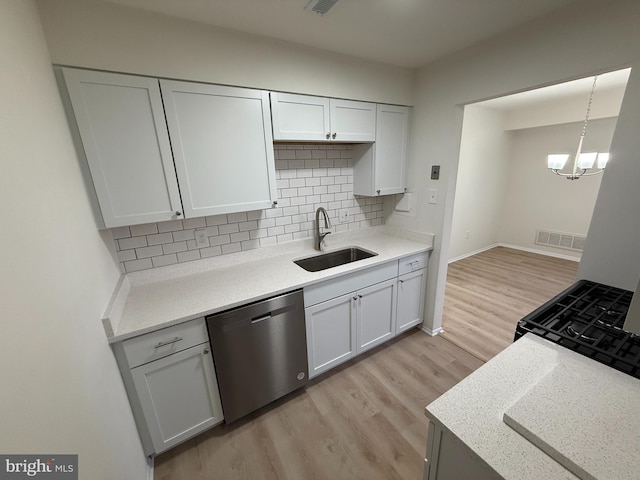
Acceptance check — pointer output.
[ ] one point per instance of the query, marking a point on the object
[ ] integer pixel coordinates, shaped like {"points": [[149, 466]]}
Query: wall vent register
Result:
{"points": [[568, 241]]}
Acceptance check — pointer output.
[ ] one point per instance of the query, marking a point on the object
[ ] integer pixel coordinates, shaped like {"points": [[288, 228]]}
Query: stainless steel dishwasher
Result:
{"points": [[260, 352]]}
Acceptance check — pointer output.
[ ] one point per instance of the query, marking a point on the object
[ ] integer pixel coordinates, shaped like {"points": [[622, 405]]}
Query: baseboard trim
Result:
{"points": [[433, 333], [540, 252], [516, 247], [475, 252], [150, 467]]}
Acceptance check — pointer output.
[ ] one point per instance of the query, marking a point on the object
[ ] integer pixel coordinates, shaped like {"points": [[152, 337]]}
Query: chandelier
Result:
{"points": [[582, 162]]}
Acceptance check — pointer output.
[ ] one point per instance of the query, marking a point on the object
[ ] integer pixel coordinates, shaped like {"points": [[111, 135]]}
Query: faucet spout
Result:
{"points": [[327, 224]]}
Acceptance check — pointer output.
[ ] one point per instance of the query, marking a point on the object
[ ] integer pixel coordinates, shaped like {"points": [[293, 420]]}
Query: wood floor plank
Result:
{"points": [[486, 294]]}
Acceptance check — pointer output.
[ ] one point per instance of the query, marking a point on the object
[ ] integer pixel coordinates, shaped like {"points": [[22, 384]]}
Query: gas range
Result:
{"points": [[588, 318]]}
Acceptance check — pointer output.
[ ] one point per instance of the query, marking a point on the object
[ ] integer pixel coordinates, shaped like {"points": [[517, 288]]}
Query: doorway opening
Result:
{"points": [[518, 230]]}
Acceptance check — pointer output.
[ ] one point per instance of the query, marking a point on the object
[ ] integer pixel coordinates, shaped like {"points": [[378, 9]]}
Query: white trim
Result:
{"points": [[540, 252], [150, 467], [433, 333], [475, 252], [517, 247]]}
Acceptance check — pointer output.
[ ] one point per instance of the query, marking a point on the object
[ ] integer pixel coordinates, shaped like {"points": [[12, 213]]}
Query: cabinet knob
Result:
{"points": [[334, 135], [178, 213], [378, 191], [355, 297], [206, 350], [359, 296], [328, 136]]}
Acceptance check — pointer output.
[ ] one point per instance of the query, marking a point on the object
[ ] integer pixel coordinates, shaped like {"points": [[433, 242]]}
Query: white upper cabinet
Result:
{"points": [[380, 168], [125, 141], [304, 118], [222, 147], [300, 117], [352, 121]]}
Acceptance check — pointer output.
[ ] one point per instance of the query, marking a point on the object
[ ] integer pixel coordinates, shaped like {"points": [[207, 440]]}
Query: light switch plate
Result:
{"points": [[433, 196], [343, 215]]}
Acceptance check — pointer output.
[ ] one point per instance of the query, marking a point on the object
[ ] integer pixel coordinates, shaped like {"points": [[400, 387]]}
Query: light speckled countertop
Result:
{"points": [[152, 299], [518, 378]]}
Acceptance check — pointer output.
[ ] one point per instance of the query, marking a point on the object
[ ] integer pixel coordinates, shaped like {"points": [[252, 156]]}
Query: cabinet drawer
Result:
{"points": [[350, 282], [155, 345], [412, 263]]}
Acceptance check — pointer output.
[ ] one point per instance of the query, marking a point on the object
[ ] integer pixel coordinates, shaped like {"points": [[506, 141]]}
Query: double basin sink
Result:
{"points": [[327, 260]]}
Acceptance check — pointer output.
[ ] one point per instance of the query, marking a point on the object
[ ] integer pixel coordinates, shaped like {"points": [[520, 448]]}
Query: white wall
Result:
{"points": [[537, 199], [571, 44], [99, 35], [611, 254], [482, 181], [61, 390]]}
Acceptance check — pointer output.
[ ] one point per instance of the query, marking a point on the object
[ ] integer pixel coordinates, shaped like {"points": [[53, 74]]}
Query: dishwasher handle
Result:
{"points": [[261, 319]]}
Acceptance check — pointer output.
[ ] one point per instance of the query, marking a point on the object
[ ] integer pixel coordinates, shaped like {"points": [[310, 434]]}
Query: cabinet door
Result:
{"points": [[353, 121], [222, 146], [410, 300], [391, 149], [179, 396], [124, 137], [331, 333], [376, 314], [300, 117]]}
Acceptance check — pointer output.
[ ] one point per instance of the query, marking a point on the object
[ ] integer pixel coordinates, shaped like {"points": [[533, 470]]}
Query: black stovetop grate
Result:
{"points": [[588, 318]]}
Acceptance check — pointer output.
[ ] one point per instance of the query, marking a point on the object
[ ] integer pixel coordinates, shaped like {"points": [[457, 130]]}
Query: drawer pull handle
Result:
{"points": [[169, 342], [206, 351]]}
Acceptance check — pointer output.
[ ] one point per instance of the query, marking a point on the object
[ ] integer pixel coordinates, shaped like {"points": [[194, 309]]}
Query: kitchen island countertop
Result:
{"points": [[152, 299], [521, 384]]}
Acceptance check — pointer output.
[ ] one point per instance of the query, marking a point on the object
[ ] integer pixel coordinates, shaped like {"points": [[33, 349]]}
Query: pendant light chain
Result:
{"points": [[586, 119]]}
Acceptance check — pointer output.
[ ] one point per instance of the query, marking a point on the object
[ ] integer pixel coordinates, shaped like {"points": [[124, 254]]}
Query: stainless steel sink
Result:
{"points": [[333, 259]]}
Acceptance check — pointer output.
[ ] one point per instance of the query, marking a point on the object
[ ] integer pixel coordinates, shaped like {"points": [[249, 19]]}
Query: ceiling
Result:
{"points": [[407, 33], [606, 81]]}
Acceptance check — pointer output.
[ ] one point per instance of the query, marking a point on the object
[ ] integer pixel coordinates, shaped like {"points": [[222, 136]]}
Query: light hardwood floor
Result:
{"points": [[488, 293], [365, 419]]}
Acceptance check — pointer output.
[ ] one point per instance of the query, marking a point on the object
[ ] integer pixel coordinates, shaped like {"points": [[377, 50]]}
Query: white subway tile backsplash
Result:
{"points": [[214, 220], [308, 177], [199, 222], [132, 242], [175, 247], [164, 260], [120, 232], [146, 252], [170, 226], [135, 265], [146, 229], [231, 248], [159, 238], [229, 228]]}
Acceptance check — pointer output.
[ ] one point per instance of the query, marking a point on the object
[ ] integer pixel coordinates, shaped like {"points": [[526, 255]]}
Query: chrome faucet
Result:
{"points": [[327, 224]]}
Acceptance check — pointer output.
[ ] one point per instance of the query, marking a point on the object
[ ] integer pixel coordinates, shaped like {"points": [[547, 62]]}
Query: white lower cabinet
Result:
{"points": [[179, 396], [331, 333], [344, 327], [410, 299], [376, 314], [171, 382], [378, 306]]}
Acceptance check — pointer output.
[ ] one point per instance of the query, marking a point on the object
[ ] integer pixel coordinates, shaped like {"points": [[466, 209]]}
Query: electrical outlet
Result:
{"points": [[201, 238], [435, 172], [343, 214]]}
